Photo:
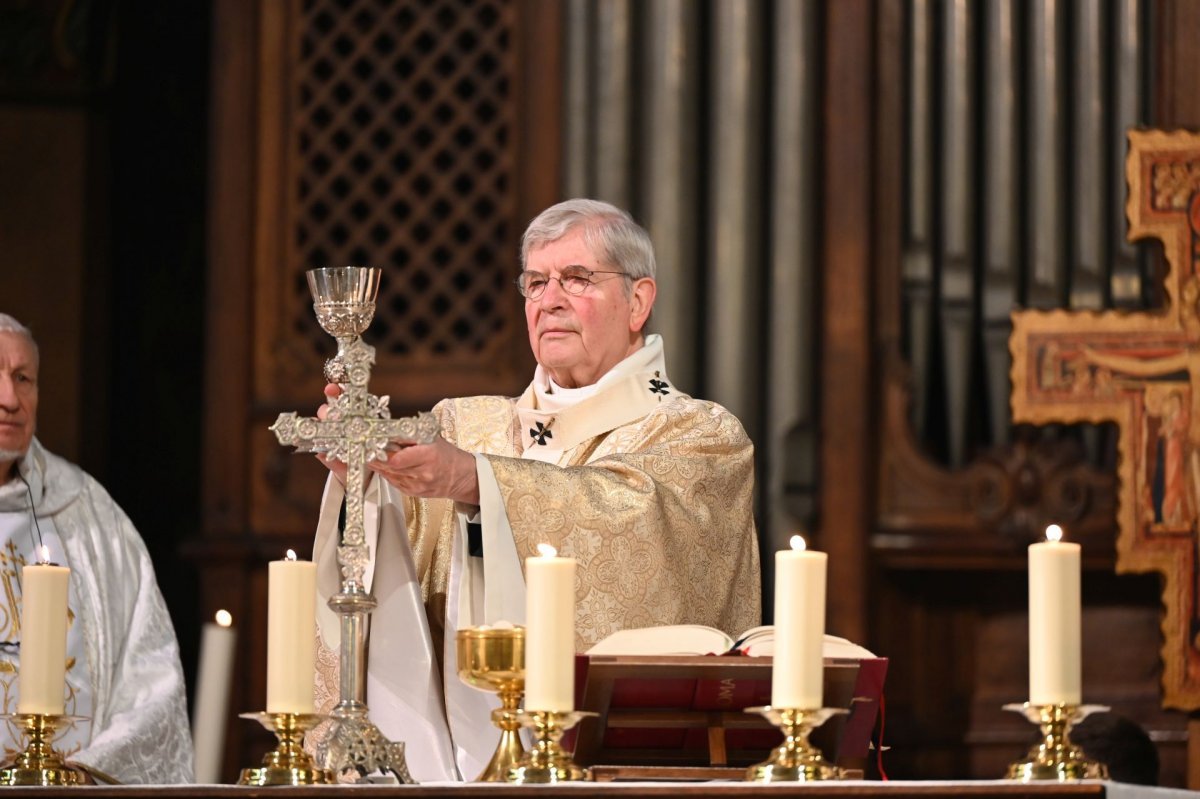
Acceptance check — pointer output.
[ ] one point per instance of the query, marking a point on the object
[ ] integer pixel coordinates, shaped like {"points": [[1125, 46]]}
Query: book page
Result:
{"points": [[671, 639], [697, 639]]}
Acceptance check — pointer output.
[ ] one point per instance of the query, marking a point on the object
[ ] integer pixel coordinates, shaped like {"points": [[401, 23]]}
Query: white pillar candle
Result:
{"points": [[291, 635], [549, 632], [797, 673], [41, 683], [217, 647], [1054, 621]]}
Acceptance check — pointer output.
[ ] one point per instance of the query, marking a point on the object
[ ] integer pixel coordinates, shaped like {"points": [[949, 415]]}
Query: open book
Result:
{"points": [[697, 639], [660, 699]]}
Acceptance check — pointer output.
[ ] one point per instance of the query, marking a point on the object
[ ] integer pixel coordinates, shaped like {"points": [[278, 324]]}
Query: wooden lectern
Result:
{"points": [[682, 717]]}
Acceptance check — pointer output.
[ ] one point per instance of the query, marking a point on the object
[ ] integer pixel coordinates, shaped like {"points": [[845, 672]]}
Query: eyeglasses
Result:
{"points": [[574, 279]]}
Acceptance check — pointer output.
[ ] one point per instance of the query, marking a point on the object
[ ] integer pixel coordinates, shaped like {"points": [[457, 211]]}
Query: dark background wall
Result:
{"points": [[159, 262], [104, 109]]}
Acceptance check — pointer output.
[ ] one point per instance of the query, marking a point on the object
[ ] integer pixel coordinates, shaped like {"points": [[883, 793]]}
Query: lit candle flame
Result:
{"points": [[798, 544], [43, 554], [547, 551], [291, 554], [224, 618], [1054, 533]]}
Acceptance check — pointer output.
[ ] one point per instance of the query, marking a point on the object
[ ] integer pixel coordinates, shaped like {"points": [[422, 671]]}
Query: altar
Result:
{"points": [[716, 790]]}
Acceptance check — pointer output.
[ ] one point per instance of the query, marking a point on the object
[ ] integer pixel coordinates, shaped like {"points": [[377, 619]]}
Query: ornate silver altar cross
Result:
{"points": [[356, 430]]}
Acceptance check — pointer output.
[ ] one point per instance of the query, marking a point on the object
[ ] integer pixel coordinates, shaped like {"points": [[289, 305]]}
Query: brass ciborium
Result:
{"points": [[493, 659]]}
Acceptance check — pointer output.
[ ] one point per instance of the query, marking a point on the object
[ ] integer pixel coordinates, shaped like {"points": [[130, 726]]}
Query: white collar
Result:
{"points": [[553, 398]]}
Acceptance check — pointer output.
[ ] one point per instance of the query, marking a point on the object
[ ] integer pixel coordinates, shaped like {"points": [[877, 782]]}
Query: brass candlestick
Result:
{"points": [[288, 764], [548, 761], [794, 760], [39, 764], [1055, 757], [493, 659]]}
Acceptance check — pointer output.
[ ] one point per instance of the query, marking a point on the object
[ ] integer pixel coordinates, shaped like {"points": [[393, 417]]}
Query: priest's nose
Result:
{"points": [[554, 295], [8, 393]]}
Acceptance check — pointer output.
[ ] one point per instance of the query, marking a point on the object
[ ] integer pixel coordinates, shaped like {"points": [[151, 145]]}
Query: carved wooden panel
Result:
{"points": [[403, 127], [994, 507], [1143, 372], [396, 148], [392, 135]]}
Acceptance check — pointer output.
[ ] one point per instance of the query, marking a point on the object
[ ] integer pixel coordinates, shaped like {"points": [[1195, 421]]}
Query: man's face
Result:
{"points": [[18, 397], [579, 338]]}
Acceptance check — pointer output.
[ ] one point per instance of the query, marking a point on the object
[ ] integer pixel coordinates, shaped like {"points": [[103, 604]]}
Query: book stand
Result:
{"points": [[682, 717]]}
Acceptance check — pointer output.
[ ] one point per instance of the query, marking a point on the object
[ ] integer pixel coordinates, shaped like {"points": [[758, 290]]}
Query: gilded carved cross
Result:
{"points": [[1142, 371]]}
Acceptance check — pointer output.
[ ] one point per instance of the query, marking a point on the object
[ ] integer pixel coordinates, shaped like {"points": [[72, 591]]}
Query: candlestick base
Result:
{"points": [[794, 760], [39, 763], [1055, 757], [288, 764], [547, 761]]}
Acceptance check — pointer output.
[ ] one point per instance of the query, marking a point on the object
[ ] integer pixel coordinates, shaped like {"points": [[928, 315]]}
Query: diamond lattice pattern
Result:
{"points": [[403, 123]]}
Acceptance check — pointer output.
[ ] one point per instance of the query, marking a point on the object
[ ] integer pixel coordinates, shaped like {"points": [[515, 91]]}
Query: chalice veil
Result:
{"points": [[443, 722]]}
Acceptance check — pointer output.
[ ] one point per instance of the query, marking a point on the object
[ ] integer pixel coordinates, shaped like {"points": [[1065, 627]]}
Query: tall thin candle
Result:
{"points": [[217, 647], [41, 681], [291, 635], [798, 671], [1054, 621], [549, 632]]}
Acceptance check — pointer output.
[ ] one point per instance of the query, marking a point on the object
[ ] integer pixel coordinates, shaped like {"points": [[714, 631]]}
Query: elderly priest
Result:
{"points": [[123, 679], [602, 457]]}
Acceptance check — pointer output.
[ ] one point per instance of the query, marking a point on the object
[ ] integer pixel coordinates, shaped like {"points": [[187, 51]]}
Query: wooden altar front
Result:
{"points": [[715, 790]]}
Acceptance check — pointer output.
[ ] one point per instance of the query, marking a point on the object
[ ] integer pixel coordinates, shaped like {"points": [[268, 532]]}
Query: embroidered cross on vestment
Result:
{"points": [[542, 432], [660, 387]]}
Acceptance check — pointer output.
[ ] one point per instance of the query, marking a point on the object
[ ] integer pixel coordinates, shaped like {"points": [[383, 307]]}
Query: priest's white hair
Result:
{"points": [[609, 232], [9, 324]]}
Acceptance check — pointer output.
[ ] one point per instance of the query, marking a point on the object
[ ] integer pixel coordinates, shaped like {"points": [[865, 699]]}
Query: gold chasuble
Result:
{"points": [[647, 488]]}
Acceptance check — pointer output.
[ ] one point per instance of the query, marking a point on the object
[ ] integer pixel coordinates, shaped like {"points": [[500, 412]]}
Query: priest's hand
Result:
{"points": [[337, 467], [438, 469]]}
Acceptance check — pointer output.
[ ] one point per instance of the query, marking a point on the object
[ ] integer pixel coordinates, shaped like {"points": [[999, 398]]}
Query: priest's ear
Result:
{"points": [[641, 300]]}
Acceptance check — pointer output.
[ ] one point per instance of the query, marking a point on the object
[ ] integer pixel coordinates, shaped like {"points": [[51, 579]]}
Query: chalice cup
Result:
{"points": [[344, 301], [493, 659]]}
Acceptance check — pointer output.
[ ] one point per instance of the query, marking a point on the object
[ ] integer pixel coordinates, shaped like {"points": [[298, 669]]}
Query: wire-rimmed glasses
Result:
{"points": [[574, 280]]}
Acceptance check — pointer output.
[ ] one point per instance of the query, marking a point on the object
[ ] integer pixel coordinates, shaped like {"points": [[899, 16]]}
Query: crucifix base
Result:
{"points": [[355, 743]]}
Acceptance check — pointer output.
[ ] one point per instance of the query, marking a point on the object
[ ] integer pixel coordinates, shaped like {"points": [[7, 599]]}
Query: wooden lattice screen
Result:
{"points": [[397, 135], [402, 126]]}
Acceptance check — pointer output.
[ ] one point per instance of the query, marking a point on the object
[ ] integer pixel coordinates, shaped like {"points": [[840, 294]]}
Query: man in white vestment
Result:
{"points": [[123, 677], [602, 457]]}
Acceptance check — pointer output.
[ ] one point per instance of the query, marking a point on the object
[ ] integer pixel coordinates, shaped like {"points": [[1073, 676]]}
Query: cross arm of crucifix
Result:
{"points": [[348, 438], [1138, 366]]}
